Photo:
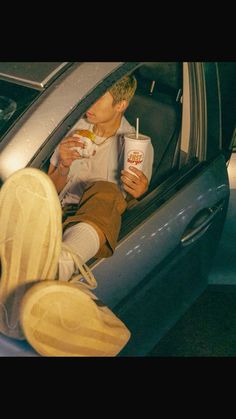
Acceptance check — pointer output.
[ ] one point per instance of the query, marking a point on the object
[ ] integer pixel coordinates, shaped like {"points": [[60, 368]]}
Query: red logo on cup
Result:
{"points": [[135, 157]]}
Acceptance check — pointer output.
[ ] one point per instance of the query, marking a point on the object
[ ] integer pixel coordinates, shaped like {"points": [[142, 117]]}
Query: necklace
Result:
{"points": [[102, 140]]}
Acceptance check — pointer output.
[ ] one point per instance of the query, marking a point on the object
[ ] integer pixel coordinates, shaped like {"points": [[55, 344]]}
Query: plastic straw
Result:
{"points": [[137, 128]]}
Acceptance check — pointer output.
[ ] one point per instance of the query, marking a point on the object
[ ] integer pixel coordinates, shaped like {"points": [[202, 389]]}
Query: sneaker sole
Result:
{"points": [[60, 319], [30, 240]]}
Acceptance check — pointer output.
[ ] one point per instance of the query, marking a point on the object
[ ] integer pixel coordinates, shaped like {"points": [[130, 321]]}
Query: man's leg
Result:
{"points": [[85, 240], [61, 319], [30, 240], [94, 229]]}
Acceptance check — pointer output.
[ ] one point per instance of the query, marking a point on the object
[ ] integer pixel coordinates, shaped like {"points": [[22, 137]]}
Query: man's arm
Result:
{"points": [[58, 175], [67, 154]]}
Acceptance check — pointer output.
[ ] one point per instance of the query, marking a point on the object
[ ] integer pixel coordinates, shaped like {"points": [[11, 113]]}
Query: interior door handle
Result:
{"points": [[201, 222]]}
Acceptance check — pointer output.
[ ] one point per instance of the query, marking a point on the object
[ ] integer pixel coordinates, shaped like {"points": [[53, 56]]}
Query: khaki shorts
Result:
{"points": [[103, 204]]}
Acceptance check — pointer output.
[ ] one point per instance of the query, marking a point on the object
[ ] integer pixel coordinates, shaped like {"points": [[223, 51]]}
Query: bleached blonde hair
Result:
{"points": [[124, 89]]}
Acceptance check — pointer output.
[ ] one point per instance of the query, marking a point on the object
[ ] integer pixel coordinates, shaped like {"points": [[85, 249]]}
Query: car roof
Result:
{"points": [[37, 75]]}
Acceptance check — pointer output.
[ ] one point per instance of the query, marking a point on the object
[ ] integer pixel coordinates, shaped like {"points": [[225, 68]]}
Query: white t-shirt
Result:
{"points": [[106, 164]]}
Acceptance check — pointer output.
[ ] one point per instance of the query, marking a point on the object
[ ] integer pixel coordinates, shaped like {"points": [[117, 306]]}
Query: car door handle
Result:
{"points": [[200, 223]]}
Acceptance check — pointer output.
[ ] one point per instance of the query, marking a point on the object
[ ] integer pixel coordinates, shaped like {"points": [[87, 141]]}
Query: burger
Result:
{"points": [[88, 138], [84, 133]]}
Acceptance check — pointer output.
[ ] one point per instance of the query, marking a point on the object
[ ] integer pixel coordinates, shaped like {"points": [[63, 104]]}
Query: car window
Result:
{"points": [[170, 104], [14, 100], [163, 103], [158, 105]]}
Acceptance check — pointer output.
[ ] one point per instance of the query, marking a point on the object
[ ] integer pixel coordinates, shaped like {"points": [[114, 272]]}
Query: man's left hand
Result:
{"points": [[137, 184]]}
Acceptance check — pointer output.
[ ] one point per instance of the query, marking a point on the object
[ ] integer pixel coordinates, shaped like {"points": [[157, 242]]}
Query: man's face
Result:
{"points": [[103, 110]]}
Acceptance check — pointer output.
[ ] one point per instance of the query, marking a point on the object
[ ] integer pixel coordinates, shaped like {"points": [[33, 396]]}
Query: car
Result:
{"points": [[169, 236]]}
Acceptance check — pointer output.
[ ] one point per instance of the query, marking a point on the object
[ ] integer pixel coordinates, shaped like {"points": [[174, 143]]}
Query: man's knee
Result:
{"points": [[107, 193], [101, 206]]}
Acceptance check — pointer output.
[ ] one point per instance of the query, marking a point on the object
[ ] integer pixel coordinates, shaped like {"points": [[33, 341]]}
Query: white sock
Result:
{"points": [[84, 239]]}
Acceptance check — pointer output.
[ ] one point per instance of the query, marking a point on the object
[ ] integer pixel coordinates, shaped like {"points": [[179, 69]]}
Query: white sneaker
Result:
{"points": [[30, 240], [63, 319]]}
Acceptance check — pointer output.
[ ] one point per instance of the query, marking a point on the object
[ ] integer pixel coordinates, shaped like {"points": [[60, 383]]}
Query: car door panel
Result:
{"points": [[155, 251], [167, 292], [201, 223]]}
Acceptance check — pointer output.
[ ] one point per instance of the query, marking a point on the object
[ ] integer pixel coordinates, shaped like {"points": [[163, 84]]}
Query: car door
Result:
{"points": [[161, 264]]}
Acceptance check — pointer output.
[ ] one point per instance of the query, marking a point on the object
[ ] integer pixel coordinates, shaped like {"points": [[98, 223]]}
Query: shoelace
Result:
{"points": [[85, 271]]}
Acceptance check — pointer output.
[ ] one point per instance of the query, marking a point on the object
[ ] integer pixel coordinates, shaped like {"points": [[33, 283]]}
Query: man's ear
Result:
{"points": [[122, 106]]}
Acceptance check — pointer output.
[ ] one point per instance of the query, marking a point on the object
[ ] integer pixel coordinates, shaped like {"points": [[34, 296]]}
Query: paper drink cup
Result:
{"points": [[135, 151]]}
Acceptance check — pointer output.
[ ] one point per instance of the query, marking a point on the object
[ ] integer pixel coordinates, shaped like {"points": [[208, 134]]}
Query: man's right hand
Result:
{"points": [[67, 153]]}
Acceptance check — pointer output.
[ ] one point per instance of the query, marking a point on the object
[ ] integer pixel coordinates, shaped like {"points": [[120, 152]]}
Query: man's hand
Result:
{"points": [[67, 153], [137, 184]]}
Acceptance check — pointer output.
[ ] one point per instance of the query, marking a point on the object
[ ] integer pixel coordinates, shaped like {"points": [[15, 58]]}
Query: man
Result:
{"points": [[92, 232], [30, 211]]}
